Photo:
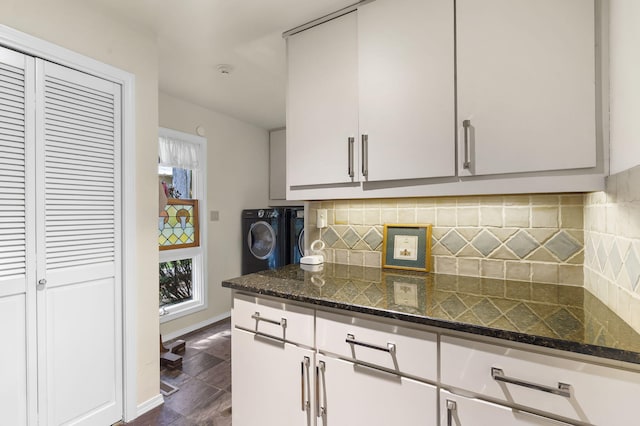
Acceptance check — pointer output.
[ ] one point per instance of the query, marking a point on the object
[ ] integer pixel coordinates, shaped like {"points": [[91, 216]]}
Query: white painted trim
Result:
{"points": [[129, 250], [43, 49], [194, 327], [200, 184], [150, 404]]}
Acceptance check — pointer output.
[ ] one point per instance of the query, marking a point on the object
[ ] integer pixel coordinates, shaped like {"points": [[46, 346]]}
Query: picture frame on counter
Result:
{"points": [[407, 246]]}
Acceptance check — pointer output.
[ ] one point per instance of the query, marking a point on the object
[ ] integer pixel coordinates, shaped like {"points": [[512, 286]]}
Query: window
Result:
{"points": [[182, 268]]}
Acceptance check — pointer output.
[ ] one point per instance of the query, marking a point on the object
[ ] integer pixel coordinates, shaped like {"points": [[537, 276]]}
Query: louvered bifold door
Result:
{"points": [[17, 261], [78, 183]]}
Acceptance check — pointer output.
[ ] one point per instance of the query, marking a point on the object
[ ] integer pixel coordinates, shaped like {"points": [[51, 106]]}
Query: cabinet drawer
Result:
{"points": [[403, 350], [460, 411], [597, 394], [275, 319]]}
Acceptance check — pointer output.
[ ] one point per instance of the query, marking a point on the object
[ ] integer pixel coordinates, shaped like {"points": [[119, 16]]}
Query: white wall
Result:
{"points": [[77, 26], [624, 28], [237, 179]]}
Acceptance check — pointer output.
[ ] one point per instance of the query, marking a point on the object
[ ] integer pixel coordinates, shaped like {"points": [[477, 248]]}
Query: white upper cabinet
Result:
{"points": [[322, 103], [406, 89], [526, 85], [405, 98]]}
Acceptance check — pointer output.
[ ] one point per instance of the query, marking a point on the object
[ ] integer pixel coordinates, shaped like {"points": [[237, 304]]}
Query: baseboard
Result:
{"points": [[194, 327], [149, 405]]}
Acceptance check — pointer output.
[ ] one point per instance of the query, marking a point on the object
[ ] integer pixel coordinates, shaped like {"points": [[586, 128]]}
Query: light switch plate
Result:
{"points": [[214, 215]]}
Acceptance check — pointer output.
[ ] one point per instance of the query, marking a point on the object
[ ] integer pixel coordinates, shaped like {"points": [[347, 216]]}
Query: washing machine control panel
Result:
{"points": [[267, 214]]}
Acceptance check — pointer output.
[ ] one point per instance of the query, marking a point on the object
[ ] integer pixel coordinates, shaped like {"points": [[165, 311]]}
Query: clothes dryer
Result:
{"points": [[263, 240], [295, 233]]}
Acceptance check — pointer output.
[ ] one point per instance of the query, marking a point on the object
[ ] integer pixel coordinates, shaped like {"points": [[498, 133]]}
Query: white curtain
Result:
{"points": [[178, 153]]}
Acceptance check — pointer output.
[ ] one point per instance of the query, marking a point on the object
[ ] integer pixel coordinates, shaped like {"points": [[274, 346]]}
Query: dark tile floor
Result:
{"points": [[204, 382]]}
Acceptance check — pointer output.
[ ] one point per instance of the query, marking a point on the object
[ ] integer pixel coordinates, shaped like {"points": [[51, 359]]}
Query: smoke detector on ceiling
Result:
{"points": [[224, 69]]}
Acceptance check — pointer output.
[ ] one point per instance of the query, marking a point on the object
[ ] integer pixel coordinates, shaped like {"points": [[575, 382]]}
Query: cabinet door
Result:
{"points": [[322, 103], [277, 165], [351, 394], [271, 382], [460, 411], [17, 248], [526, 84], [406, 88]]}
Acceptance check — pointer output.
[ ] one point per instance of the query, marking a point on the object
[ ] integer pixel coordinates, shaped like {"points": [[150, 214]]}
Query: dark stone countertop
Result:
{"points": [[554, 316]]}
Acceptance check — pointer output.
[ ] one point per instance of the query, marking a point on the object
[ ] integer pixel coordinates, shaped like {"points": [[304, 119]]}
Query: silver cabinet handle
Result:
{"points": [[351, 339], [351, 142], [365, 155], [282, 323], [466, 124], [563, 389], [451, 407], [304, 365], [320, 411]]}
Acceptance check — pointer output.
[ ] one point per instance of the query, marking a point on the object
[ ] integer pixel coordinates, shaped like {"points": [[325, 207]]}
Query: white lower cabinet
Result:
{"points": [[293, 365], [565, 388], [351, 394], [460, 411], [272, 382]]}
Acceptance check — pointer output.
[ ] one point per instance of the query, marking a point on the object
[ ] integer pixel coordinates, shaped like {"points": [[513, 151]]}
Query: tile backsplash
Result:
{"points": [[535, 238], [612, 245]]}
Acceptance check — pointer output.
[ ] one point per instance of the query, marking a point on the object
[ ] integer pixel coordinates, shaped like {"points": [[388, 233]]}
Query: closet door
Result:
{"points": [[78, 228], [17, 282]]}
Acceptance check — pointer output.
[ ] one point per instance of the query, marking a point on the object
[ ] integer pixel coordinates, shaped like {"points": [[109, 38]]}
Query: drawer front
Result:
{"points": [[274, 319], [403, 350], [460, 411], [596, 394]]}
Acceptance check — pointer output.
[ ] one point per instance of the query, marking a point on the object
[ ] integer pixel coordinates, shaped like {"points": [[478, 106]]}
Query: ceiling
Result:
{"points": [[195, 36]]}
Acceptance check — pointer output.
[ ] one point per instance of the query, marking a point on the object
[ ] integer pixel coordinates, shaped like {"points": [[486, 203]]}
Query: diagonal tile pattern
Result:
{"points": [[472, 236], [563, 246], [522, 244], [486, 242], [632, 267], [453, 242]]}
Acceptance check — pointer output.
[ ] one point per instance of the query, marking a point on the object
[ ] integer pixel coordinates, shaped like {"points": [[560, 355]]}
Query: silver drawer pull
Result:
{"points": [[563, 389], [320, 411], [365, 155], [391, 347], [467, 162], [350, 142], [451, 407], [282, 323], [304, 365]]}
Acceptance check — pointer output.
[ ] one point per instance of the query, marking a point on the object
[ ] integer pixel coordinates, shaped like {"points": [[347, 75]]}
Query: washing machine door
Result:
{"points": [[300, 245], [261, 240]]}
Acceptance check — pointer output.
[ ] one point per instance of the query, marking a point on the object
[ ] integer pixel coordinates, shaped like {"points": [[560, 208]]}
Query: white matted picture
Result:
{"points": [[407, 246]]}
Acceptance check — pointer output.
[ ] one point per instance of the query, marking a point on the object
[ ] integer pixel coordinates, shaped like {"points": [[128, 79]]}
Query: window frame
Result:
{"points": [[198, 255]]}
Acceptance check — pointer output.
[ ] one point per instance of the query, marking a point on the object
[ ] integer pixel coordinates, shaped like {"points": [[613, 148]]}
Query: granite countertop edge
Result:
{"points": [[513, 336]]}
